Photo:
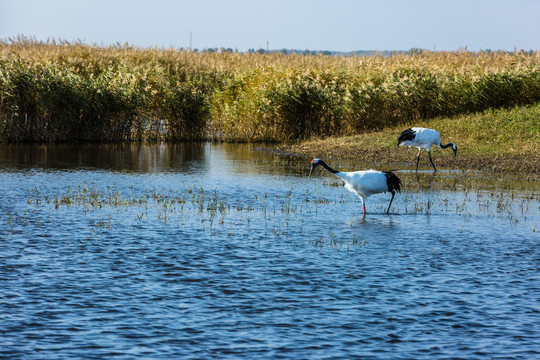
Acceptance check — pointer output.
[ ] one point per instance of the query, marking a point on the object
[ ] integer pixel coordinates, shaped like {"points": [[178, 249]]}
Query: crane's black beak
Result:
{"points": [[311, 170], [455, 153]]}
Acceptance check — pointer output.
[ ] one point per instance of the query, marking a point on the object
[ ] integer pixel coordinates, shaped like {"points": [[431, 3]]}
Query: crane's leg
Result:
{"points": [[363, 205], [429, 153], [393, 194], [418, 159]]}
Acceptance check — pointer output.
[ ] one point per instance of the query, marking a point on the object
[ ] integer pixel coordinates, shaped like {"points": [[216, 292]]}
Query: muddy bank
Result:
{"points": [[388, 157]]}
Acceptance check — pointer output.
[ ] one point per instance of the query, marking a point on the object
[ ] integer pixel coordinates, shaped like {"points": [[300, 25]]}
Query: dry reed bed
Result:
{"points": [[60, 91]]}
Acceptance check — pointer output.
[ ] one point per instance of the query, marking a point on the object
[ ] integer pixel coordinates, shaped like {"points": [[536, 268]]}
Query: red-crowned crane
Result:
{"points": [[423, 138], [364, 183]]}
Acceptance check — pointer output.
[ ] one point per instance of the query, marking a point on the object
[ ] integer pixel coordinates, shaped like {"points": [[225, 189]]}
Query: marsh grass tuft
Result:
{"points": [[290, 217]]}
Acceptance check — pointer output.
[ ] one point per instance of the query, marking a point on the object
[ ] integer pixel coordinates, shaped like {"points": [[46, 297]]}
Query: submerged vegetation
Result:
{"points": [[273, 216], [59, 91]]}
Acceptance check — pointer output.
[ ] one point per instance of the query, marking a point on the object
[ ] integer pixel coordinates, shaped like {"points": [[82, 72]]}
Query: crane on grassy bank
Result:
{"points": [[423, 138]]}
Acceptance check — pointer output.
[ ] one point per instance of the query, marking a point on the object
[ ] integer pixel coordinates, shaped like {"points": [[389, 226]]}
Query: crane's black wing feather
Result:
{"points": [[407, 135], [392, 181]]}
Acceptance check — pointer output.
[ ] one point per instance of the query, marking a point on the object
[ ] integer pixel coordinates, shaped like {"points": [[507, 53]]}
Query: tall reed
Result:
{"points": [[61, 91]]}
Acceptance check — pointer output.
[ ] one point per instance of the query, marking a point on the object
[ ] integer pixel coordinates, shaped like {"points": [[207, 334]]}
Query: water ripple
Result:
{"points": [[299, 279]]}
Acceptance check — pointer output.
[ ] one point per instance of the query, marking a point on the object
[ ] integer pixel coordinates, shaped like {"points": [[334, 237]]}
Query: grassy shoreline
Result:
{"points": [[506, 140]]}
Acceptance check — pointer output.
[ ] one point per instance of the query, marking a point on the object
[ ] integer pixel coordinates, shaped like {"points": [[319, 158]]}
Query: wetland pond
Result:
{"points": [[228, 251]]}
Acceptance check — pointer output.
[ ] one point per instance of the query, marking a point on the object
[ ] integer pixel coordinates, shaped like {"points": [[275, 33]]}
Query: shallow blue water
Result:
{"points": [[224, 251]]}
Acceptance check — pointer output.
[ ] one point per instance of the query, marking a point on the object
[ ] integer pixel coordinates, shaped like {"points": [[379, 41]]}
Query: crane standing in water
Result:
{"points": [[364, 183]]}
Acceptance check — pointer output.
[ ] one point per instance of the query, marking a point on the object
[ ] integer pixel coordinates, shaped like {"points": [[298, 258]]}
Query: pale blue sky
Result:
{"points": [[340, 25]]}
